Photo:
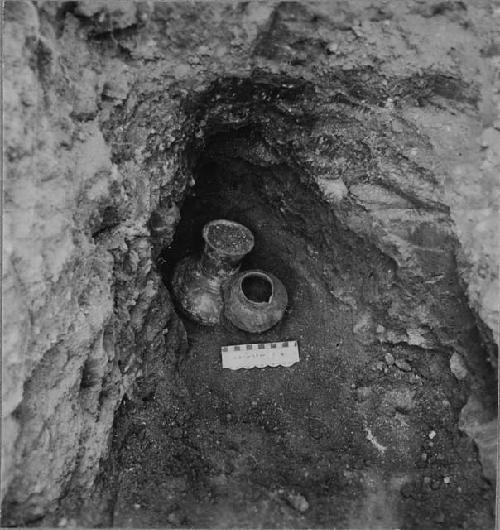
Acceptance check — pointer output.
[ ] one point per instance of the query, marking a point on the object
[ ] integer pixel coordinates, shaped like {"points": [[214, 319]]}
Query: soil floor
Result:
{"points": [[352, 436]]}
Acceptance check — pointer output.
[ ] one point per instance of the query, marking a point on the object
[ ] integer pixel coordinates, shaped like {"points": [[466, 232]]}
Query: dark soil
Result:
{"points": [[357, 434], [230, 238]]}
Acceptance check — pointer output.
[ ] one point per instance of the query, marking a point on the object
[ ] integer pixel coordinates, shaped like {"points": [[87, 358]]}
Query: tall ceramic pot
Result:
{"points": [[197, 281]]}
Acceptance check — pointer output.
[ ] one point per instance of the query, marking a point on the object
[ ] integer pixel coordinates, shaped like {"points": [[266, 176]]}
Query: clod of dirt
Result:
{"points": [[457, 366], [404, 366], [297, 502], [389, 359]]}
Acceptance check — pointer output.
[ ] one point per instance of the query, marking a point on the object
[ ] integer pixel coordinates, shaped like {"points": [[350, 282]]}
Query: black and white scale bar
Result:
{"points": [[260, 355]]}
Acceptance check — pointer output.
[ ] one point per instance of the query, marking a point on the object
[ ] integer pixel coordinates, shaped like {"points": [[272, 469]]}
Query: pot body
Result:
{"points": [[258, 314], [197, 281]]}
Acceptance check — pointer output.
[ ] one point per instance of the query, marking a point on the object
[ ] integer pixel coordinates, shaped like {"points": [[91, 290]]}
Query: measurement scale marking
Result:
{"points": [[270, 354]]}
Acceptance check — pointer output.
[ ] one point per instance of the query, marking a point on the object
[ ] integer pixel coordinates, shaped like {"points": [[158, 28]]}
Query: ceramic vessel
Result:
{"points": [[197, 281], [254, 301]]}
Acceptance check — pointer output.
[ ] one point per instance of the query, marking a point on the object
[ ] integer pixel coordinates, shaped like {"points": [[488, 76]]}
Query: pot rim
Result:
{"points": [[260, 274], [225, 252]]}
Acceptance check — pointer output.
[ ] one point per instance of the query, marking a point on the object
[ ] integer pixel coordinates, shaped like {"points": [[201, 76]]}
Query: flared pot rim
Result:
{"points": [[228, 252]]}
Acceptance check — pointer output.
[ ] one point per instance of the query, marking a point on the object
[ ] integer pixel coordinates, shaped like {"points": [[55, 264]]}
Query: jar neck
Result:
{"points": [[213, 264]]}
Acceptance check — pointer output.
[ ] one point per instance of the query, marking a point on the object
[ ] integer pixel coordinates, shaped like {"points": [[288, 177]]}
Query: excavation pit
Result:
{"points": [[359, 149], [342, 430]]}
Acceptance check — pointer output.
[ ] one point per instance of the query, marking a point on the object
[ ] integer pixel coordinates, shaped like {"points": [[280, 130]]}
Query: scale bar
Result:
{"points": [[270, 354]]}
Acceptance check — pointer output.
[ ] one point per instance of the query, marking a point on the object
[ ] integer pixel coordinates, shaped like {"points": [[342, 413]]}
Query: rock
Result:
{"points": [[389, 359], [109, 14], [416, 337], [163, 222], [116, 88], [332, 48], [204, 50], [334, 190], [457, 366], [403, 365], [476, 422], [363, 328], [372, 196], [297, 502]]}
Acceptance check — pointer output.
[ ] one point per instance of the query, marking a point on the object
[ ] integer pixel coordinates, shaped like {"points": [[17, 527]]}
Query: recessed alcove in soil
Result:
{"points": [[340, 438]]}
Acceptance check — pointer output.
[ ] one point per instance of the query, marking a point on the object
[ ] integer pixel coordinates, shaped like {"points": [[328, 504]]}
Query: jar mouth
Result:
{"points": [[257, 288], [228, 238]]}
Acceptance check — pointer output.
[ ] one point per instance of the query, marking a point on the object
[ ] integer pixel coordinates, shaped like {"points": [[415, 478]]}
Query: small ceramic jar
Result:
{"points": [[254, 301]]}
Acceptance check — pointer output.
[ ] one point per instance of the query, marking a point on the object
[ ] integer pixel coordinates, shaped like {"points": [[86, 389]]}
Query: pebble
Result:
{"points": [[403, 365], [298, 502], [332, 47], [457, 367], [432, 435], [446, 480], [389, 359], [335, 190], [204, 50]]}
